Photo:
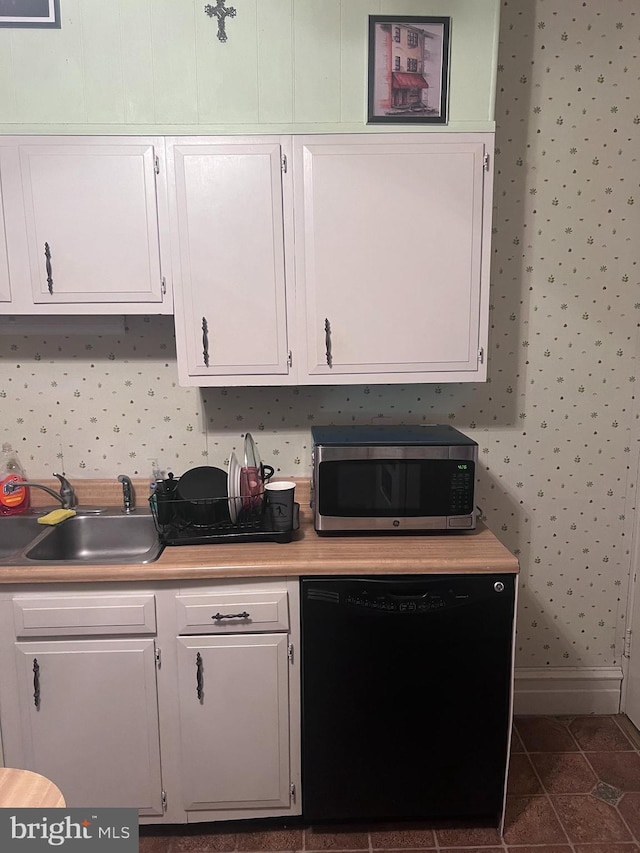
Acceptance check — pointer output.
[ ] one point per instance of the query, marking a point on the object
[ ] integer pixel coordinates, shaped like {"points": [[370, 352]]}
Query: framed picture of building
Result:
{"points": [[408, 69], [29, 13]]}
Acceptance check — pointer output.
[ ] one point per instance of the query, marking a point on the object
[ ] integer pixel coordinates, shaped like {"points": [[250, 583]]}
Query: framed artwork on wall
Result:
{"points": [[29, 13], [408, 69]]}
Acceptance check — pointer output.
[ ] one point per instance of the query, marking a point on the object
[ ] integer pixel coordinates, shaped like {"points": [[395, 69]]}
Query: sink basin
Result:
{"points": [[16, 532], [103, 539]]}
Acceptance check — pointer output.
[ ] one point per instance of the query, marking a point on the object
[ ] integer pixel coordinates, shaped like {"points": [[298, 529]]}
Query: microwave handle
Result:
{"points": [[313, 476]]}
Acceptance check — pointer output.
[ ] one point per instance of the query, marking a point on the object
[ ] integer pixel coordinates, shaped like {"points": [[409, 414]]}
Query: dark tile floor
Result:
{"points": [[574, 787]]}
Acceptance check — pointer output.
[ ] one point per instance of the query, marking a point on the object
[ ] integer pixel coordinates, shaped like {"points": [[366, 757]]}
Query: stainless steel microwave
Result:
{"points": [[392, 479]]}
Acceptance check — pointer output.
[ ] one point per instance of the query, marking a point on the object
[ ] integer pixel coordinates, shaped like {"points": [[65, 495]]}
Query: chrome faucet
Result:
{"points": [[67, 496], [128, 504]]}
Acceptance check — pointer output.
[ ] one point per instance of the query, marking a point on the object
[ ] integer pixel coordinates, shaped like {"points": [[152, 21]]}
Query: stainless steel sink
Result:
{"points": [[16, 532], [108, 538]]}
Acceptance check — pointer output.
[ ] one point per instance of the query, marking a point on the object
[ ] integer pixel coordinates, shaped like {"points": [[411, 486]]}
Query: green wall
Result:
{"points": [[139, 66]]}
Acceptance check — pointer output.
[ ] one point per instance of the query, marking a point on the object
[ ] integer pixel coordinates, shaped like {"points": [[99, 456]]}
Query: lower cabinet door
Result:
{"points": [[234, 722], [89, 714]]}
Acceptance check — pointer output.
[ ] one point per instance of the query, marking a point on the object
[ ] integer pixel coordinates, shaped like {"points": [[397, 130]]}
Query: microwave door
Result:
{"points": [[386, 486], [415, 487], [403, 489], [397, 488]]}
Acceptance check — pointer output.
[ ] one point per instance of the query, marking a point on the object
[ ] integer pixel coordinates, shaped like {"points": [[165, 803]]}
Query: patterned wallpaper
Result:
{"points": [[557, 423]]}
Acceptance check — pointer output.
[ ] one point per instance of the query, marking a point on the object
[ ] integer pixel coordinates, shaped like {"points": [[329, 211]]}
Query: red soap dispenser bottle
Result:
{"points": [[11, 471]]}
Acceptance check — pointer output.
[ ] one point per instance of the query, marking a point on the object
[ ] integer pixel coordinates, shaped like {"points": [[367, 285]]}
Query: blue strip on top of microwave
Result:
{"points": [[389, 434]]}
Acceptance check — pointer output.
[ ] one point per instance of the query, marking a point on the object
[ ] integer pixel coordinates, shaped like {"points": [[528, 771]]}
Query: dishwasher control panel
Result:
{"points": [[397, 605]]}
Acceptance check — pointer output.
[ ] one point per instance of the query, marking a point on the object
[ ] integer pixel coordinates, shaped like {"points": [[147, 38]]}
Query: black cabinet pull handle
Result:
{"points": [[205, 341], [327, 341], [199, 690], [36, 683], [47, 255], [243, 615]]}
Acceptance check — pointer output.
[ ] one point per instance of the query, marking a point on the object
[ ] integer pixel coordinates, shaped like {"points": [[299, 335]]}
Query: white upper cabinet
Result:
{"points": [[91, 222], [392, 256], [386, 238], [5, 284], [228, 233], [92, 211]]}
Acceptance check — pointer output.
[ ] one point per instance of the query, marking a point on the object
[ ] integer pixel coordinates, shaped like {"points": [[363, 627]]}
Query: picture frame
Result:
{"points": [[408, 69], [30, 13]]}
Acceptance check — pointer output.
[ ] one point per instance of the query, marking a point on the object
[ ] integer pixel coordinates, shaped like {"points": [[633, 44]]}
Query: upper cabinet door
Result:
{"points": [[392, 256], [228, 243], [5, 285], [5, 289], [92, 221]]}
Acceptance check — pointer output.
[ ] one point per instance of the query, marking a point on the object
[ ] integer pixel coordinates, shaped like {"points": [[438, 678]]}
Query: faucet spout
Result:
{"points": [[66, 498], [128, 504], [67, 494]]}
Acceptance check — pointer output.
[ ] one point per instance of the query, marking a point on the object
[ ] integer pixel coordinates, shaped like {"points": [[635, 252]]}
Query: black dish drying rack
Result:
{"points": [[208, 521]]}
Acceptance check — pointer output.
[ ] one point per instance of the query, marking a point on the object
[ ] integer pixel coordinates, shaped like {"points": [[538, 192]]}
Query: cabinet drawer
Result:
{"points": [[82, 615], [233, 613]]}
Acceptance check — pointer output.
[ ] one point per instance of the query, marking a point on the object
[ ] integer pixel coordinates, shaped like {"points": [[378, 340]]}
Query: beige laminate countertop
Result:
{"points": [[308, 554]]}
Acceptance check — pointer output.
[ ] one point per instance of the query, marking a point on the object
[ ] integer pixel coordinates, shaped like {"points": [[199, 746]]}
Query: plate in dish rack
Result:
{"points": [[251, 454], [233, 486]]}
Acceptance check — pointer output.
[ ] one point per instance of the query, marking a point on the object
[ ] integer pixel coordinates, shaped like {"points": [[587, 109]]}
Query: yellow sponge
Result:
{"points": [[56, 516]]}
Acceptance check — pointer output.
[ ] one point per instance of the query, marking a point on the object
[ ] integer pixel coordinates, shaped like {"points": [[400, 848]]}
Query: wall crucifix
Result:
{"points": [[220, 12]]}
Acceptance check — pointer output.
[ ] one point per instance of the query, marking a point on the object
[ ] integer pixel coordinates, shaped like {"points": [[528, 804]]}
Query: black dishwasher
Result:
{"points": [[406, 696]]}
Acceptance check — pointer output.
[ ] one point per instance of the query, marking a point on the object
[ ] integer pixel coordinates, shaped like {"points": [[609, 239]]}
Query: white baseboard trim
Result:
{"points": [[567, 690]]}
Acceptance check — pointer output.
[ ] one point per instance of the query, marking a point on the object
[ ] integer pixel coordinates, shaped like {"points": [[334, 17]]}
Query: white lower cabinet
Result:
{"points": [[180, 701], [238, 699], [79, 702], [89, 718], [234, 721], [78, 695]]}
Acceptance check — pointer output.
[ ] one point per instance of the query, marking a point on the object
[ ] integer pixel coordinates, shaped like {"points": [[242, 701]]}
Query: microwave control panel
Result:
{"points": [[462, 489]]}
